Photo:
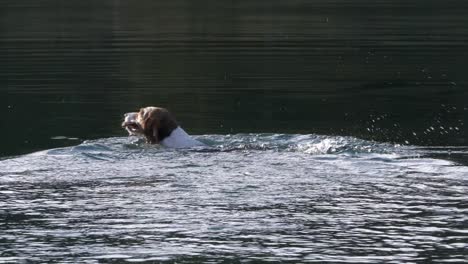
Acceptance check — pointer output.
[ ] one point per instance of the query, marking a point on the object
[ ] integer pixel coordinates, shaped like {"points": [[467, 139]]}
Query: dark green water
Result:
{"points": [[393, 71], [335, 131]]}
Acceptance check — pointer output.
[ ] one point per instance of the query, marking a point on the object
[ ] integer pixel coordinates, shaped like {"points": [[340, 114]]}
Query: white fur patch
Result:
{"points": [[180, 139]]}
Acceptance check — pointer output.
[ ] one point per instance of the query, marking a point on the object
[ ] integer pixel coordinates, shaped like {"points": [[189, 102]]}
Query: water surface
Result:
{"points": [[337, 131], [264, 197], [388, 70]]}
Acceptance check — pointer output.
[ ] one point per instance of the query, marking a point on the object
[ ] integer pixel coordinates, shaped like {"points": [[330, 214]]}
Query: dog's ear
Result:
{"points": [[150, 125], [157, 123]]}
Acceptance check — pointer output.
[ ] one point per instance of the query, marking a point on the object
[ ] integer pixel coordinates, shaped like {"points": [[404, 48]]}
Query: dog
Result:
{"points": [[158, 126]]}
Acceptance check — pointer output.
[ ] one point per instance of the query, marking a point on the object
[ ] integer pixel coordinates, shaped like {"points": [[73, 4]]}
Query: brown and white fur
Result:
{"points": [[158, 126]]}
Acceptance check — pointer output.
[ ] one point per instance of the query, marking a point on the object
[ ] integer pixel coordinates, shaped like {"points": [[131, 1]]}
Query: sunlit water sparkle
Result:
{"points": [[268, 197]]}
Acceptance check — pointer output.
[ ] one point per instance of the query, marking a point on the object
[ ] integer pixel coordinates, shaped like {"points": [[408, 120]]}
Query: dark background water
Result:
{"points": [[391, 71], [384, 70]]}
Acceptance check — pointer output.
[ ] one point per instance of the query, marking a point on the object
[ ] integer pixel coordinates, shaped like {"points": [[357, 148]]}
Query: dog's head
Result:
{"points": [[154, 123], [131, 124]]}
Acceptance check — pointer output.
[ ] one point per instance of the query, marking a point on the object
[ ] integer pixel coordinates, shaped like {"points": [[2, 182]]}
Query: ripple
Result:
{"points": [[257, 197]]}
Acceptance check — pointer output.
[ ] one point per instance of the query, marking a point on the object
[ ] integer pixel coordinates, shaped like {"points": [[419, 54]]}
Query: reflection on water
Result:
{"points": [[392, 71], [267, 197], [389, 70]]}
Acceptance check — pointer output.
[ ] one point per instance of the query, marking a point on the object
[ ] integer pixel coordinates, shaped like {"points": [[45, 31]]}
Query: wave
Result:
{"points": [[124, 155], [116, 148]]}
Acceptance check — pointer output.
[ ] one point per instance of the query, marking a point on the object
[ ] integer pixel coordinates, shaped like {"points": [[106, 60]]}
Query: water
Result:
{"points": [[387, 70], [337, 131], [266, 197]]}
